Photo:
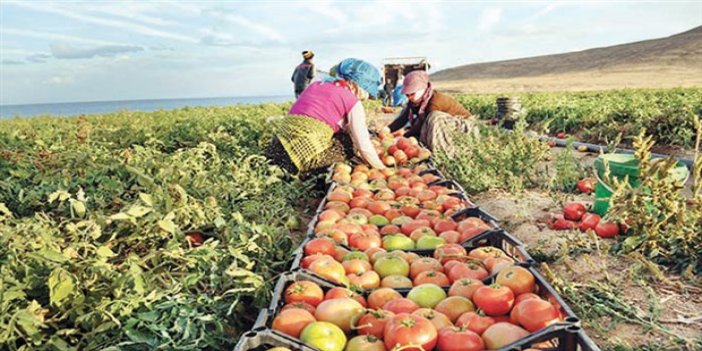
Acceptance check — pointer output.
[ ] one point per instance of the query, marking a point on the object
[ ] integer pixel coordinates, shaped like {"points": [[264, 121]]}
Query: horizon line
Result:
{"points": [[149, 99]]}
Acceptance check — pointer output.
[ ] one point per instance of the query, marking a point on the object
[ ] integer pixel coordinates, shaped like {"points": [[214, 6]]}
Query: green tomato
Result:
{"points": [[427, 295], [354, 255], [391, 265], [430, 242], [324, 336], [397, 242], [378, 220]]}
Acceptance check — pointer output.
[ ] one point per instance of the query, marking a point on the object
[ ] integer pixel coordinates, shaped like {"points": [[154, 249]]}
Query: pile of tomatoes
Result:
{"points": [[457, 312], [393, 209], [576, 216], [394, 149]]}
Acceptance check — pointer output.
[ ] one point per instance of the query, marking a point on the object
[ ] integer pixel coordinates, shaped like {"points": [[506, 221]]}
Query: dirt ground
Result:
{"points": [[583, 260]]}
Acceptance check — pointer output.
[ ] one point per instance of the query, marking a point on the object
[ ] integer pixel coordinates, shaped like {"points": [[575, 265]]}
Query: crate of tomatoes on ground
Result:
{"points": [[448, 301]]}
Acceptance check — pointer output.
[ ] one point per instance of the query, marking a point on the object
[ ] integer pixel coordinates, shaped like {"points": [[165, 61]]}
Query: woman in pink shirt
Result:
{"points": [[318, 121]]}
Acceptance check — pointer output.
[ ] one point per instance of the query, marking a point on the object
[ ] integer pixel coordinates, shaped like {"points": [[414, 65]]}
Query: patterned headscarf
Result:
{"points": [[414, 82], [360, 72]]}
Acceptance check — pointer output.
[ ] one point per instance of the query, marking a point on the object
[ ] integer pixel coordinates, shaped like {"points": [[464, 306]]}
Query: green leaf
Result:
{"points": [[138, 211], [78, 207], [167, 225], [61, 285], [120, 216], [104, 251], [147, 199], [53, 255], [4, 211]]}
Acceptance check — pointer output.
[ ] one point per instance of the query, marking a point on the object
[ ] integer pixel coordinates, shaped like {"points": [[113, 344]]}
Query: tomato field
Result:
{"points": [[94, 213], [170, 230], [600, 116]]}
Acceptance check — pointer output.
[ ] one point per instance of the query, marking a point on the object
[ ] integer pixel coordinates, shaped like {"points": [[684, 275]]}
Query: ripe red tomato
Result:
{"points": [[589, 221], [407, 330], [454, 306], [380, 296], [330, 269], [364, 343], [194, 239], [563, 224], [450, 252], [322, 245], [502, 334], [431, 277], [606, 229], [475, 322], [574, 211], [302, 305], [373, 322], [459, 339], [401, 305], [304, 291], [586, 185], [292, 321], [339, 292], [517, 278], [494, 300], [535, 314], [339, 311], [438, 319], [465, 287], [467, 270], [364, 241], [367, 280], [424, 264]]}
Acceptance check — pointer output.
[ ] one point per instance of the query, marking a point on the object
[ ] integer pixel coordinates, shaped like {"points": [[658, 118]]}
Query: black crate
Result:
{"points": [[562, 335], [501, 239], [555, 338], [476, 212], [264, 339]]}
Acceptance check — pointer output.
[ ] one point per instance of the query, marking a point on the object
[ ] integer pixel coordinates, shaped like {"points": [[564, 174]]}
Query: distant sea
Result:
{"points": [[93, 107]]}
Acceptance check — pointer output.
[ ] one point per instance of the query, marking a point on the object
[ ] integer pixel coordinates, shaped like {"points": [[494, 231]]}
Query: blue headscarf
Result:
{"points": [[361, 72], [398, 98]]}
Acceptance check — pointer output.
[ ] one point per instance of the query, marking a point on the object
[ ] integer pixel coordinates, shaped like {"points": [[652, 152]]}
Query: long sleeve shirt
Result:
{"points": [[341, 110], [438, 102]]}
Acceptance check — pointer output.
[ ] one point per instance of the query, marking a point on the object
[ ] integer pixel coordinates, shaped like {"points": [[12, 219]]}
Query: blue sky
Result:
{"points": [[115, 50]]}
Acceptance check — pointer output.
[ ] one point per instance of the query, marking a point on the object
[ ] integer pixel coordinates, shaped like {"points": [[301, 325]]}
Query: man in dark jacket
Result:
{"points": [[304, 72]]}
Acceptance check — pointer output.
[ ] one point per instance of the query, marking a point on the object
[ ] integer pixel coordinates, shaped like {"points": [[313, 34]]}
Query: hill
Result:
{"points": [[658, 63]]}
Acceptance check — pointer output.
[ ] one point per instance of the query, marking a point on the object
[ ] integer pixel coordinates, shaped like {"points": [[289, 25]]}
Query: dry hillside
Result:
{"points": [[657, 63]]}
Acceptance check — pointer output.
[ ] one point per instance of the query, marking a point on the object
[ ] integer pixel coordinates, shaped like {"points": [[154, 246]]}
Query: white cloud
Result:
{"points": [[263, 30], [133, 27], [65, 51], [329, 10], [54, 36], [489, 18]]}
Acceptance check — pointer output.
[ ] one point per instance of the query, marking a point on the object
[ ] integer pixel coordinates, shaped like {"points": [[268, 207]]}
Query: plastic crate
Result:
{"points": [[501, 239], [556, 338], [264, 339], [561, 336], [476, 212]]}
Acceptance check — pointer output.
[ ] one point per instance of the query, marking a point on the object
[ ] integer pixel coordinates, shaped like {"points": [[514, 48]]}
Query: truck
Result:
{"points": [[395, 68]]}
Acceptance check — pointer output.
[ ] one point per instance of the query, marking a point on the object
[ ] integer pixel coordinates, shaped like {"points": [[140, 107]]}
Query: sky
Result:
{"points": [[66, 51]]}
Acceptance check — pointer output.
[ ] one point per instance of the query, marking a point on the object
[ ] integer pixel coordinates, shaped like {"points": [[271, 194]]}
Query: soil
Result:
{"points": [[569, 255]]}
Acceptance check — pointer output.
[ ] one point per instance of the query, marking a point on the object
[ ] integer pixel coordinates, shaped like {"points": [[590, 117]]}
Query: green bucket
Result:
{"points": [[622, 166]]}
